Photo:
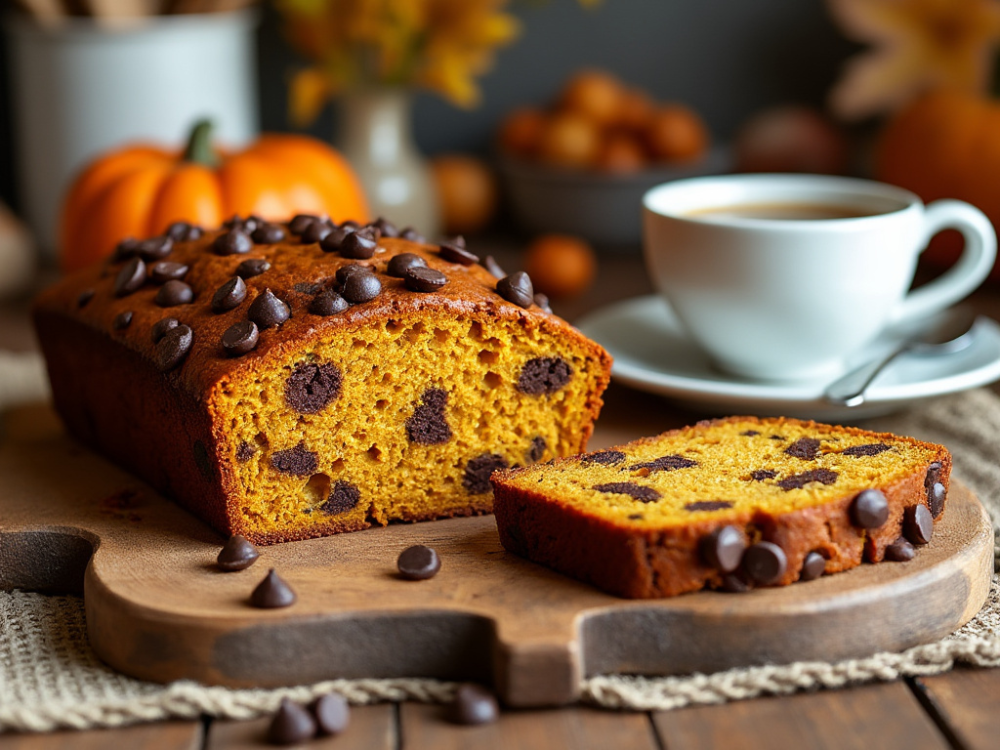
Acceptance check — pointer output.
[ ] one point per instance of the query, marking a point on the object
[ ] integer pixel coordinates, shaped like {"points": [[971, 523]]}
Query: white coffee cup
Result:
{"points": [[790, 299]]}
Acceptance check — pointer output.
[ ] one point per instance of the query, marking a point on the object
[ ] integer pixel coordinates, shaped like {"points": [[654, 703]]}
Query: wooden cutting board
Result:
{"points": [[158, 609]]}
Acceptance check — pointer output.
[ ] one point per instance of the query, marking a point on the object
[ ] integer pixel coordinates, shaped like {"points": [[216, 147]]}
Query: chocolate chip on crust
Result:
{"points": [[798, 481], [543, 375], [454, 252], [491, 265], [252, 267], [84, 297], [162, 327], [870, 449], [765, 563], [476, 478], [316, 231], [267, 310], [240, 338], [517, 288], [269, 234], [708, 505], [812, 567], [328, 303], [299, 222], [343, 497], [163, 271], [229, 295], [399, 264], [900, 551], [312, 386], [122, 320], [174, 293], [805, 448], [543, 302], [723, 548], [633, 490], [936, 497], [173, 347], [182, 231], [385, 227], [233, 242], [296, 461], [361, 244], [361, 287], [130, 278], [918, 524], [154, 248], [424, 279], [869, 509], [428, 424]]}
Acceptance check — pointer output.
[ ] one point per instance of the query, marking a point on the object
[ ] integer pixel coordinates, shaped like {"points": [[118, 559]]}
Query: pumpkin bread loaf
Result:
{"points": [[731, 504], [293, 381]]}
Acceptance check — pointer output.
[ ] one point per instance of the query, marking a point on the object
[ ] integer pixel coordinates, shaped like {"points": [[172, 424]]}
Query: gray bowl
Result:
{"points": [[605, 209]]}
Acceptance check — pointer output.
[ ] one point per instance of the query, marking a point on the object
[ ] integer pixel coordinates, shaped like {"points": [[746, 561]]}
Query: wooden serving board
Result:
{"points": [[158, 609]]}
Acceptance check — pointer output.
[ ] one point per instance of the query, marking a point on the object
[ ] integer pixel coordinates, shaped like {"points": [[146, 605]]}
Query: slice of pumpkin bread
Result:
{"points": [[731, 504]]}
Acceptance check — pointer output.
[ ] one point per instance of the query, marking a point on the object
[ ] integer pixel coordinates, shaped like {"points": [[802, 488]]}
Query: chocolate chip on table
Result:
{"points": [[299, 223], [900, 551], [632, 489], [163, 271], [130, 278], [543, 302], [155, 248], [517, 289], [812, 567], [765, 563], [361, 244], [182, 231], [454, 251], [361, 287], [229, 295], [343, 497], [474, 705], [428, 424], [173, 347], [869, 510], [312, 386], [604, 458], [162, 327], [476, 478], [412, 235], [273, 592], [84, 297], [316, 231], [723, 548], [296, 462], [424, 280], [869, 449], [399, 264], [328, 302], [332, 713], [237, 554], [385, 227], [291, 725], [174, 293], [267, 310], [544, 375], [491, 265], [252, 267], [418, 563], [798, 481], [804, 448], [240, 338], [333, 241], [268, 234], [708, 505], [918, 524], [122, 320]]}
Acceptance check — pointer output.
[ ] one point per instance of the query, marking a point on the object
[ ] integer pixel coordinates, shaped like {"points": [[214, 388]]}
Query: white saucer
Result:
{"points": [[652, 353]]}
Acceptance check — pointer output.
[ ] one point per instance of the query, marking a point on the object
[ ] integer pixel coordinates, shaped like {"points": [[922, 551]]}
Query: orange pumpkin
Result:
{"points": [[945, 144], [140, 190]]}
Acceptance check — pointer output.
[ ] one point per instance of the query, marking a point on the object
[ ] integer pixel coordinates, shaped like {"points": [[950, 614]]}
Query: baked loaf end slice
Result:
{"points": [[731, 503], [394, 401]]}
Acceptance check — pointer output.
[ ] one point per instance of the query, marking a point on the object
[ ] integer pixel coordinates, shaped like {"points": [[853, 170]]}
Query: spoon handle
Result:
{"points": [[849, 389]]}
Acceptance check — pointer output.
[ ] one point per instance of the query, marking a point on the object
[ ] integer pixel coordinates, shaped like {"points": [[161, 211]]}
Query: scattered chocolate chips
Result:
{"points": [[708, 505], [812, 567], [122, 320], [316, 231], [312, 386], [237, 554], [633, 490], [130, 278], [267, 310], [536, 450], [346, 272], [164, 270], [424, 279], [233, 242], [491, 265], [125, 249], [385, 227], [428, 424], [297, 461], [344, 496], [399, 264], [604, 458], [455, 252], [332, 713], [723, 548], [798, 481], [918, 524], [244, 452], [229, 295], [299, 223], [268, 234], [474, 705], [173, 347], [162, 327], [665, 463], [418, 563], [476, 478], [174, 293], [543, 302], [252, 267], [332, 242], [805, 448], [543, 375], [517, 288], [936, 497], [412, 235], [761, 475], [750, 433], [871, 449], [291, 725], [869, 510], [765, 563], [182, 231], [154, 248], [240, 338], [900, 551], [361, 287], [84, 297], [328, 302], [361, 244]]}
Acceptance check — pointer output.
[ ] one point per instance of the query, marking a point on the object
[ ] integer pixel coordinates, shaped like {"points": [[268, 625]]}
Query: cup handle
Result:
{"points": [[968, 273]]}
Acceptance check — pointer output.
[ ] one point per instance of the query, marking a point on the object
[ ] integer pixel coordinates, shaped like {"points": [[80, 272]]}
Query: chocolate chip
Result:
{"points": [[385, 227], [665, 463], [332, 713], [474, 705], [84, 297], [162, 327], [299, 223], [812, 567], [765, 563], [130, 278], [750, 433], [604, 458], [918, 524], [233, 242], [933, 474], [316, 231], [240, 338], [723, 548], [798, 481], [776, 437], [633, 490], [154, 248], [164, 270], [708, 505], [477, 472], [418, 563], [869, 510], [900, 551], [361, 287], [334, 240], [328, 303], [122, 320], [267, 310], [346, 272], [543, 375], [517, 288], [453, 252], [400, 264], [428, 425], [343, 497], [312, 386], [936, 498], [237, 554], [537, 450], [291, 725], [491, 265], [229, 295], [805, 448], [635, 516], [424, 280], [412, 235], [736, 583], [297, 461], [762, 474], [871, 449], [244, 452], [543, 302], [173, 347], [125, 249], [247, 225], [361, 244], [252, 267], [173, 293], [182, 231], [268, 234]]}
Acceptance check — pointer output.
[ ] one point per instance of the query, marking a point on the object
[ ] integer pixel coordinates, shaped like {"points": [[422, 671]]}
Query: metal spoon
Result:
{"points": [[947, 332]]}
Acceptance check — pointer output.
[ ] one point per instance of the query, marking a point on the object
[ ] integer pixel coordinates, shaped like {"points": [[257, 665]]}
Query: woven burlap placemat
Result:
{"points": [[50, 679]]}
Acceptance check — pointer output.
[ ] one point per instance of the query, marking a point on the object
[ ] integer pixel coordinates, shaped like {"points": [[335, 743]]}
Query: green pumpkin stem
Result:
{"points": [[199, 145]]}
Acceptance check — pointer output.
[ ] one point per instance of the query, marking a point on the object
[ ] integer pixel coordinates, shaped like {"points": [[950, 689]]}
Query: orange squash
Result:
{"points": [[138, 191]]}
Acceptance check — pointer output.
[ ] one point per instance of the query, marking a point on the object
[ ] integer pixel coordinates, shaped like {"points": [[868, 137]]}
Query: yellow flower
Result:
{"points": [[918, 45]]}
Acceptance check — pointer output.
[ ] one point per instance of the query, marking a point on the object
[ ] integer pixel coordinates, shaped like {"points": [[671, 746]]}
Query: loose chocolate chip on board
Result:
{"points": [[240, 338], [297, 461], [491, 265], [343, 497], [424, 279], [291, 725], [164, 270], [604, 458], [130, 278], [428, 424], [299, 223], [252, 267], [399, 264], [233, 242], [84, 297], [418, 563], [267, 310], [332, 713], [936, 497], [162, 327], [761, 475], [517, 288], [173, 347], [361, 287], [476, 478], [474, 705], [537, 450], [805, 448], [870, 449], [665, 463], [812, 567], [269, 234], [229, 295], [328, 303], [765, 563], [316, 231], [633, 490], [723, 548], [312, 386], [412, 235], [154, 248], [543, 302], [122, 320], [174, 293], [361, 244], [870, 509], [543, 375], [900, 551], [708, 505], [453, 252], [244, 452], [918, 524], [237, 554], [798, 481]]}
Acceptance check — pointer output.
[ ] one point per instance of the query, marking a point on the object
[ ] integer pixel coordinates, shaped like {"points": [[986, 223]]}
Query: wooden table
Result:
{"points": [[954, 710]]}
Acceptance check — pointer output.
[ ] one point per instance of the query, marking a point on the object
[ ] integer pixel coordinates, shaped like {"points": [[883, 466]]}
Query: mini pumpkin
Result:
{"points": [[139, 190]]}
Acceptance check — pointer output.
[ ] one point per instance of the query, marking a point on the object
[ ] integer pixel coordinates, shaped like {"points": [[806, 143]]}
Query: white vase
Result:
{"points": [[375, 136]]}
